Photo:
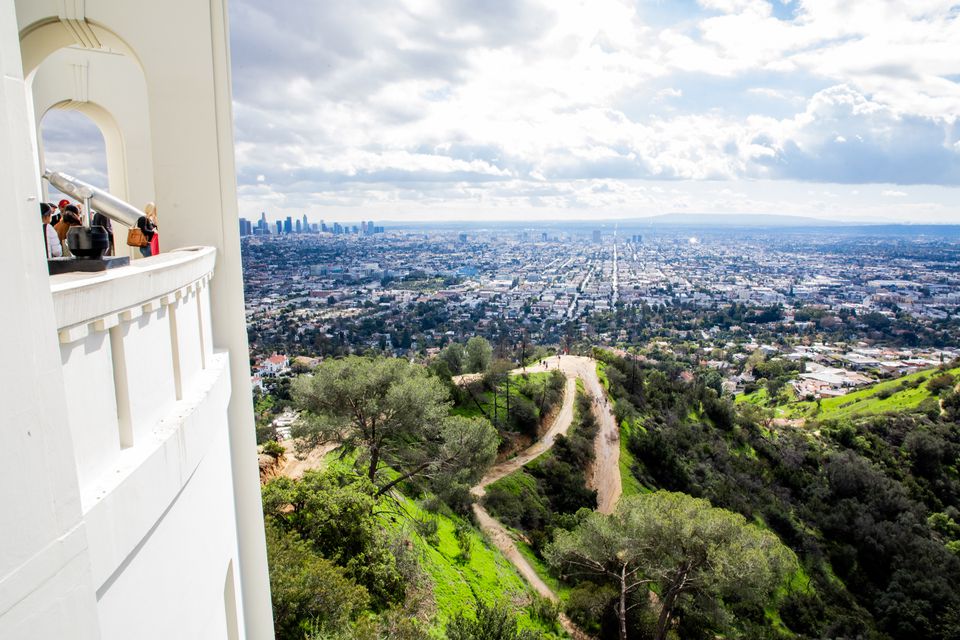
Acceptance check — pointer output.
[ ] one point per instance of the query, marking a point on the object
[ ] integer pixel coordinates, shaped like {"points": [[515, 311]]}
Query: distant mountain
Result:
{"points": [[754, 220]]}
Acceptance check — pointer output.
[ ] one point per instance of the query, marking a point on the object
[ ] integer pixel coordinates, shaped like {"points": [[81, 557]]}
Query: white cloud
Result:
{"points": [[667, 93], [893, 193], [766, 92], [428, 102]]}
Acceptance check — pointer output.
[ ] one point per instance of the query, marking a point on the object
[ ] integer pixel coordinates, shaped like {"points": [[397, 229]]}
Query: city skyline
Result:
{"points": [[426, 111]]}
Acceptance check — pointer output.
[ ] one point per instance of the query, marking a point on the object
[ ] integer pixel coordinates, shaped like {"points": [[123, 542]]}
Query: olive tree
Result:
{"points": [[395, 415], [676, 546]]}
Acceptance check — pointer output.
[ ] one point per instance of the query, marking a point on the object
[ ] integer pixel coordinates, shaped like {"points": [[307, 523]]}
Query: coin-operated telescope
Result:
{"points": [[89, 242]]}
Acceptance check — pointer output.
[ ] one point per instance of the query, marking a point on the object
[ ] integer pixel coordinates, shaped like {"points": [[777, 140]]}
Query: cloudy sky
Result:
{"points": [[483, 109]]}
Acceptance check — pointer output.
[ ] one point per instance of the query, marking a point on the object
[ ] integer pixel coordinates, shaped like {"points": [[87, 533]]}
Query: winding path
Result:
{"points": [[604, 478]]}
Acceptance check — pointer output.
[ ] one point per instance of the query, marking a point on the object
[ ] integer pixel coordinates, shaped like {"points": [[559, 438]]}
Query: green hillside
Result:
{"points": [[906, 393], [456, 581]]}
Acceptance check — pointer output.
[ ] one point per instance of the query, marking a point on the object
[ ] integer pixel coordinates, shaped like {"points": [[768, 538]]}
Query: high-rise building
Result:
{"points": [[246, 228], [298, 227], [306, 224], [288, 225], [371, 229], [279, 227], [596, 235], [130, 492]]}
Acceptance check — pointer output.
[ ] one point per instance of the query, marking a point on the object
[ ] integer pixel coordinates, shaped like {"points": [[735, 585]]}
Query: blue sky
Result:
{"points": [[416, 109]]}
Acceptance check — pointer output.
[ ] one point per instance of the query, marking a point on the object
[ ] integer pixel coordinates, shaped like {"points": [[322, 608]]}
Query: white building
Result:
{"points": [[130, 495]]}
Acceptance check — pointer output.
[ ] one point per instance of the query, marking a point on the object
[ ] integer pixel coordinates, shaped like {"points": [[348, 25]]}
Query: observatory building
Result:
{"points": [[129, 501]]}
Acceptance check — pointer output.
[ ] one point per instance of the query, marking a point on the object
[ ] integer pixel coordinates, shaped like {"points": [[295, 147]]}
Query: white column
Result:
{"points": [[46, 589], [183, 48]]}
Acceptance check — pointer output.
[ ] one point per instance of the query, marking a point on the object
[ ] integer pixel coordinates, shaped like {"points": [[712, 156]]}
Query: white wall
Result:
{"points": [[185, 576]]}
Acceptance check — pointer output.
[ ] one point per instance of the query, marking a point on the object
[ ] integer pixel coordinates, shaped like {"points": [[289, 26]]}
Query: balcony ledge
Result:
{"points": [[80, 299]]}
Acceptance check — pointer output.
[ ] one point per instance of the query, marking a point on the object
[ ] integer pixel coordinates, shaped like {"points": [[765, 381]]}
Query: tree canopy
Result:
{"points": [[307, 588], [478, 354], [676, 546], [394, 415]]}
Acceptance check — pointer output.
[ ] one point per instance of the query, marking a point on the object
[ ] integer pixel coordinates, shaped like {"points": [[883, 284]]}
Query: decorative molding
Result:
{"points": [[73, 17], [81, 82], [107, 321]]}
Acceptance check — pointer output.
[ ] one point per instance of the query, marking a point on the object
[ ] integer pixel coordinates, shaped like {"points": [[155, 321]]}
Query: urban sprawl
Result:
{"points": [[818, 313]]}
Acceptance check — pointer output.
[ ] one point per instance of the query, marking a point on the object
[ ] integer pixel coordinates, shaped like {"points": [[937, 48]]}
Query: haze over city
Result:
{"points": [[574, 110]]}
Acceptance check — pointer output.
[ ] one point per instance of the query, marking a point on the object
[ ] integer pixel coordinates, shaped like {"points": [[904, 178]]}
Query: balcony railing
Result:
{"points": [[135, 343], [147, 396]]}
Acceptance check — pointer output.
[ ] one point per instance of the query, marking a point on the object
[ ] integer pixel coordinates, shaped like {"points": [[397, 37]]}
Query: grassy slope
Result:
{"points": [[488, 574], [629, 484], [861, 402]]}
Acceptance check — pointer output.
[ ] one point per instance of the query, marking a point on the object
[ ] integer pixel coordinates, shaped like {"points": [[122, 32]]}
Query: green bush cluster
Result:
{"points": [[855, 503]]}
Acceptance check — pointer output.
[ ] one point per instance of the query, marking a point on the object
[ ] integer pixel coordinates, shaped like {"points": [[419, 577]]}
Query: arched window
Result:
{"points": [[72, 143]]}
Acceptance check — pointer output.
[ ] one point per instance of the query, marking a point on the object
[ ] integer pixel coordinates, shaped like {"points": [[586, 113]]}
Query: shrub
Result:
{"points": [[587, 603], [545, 610], [428, 529], [516, 502], [274, 448], [464, 542], [938, 384], [492, 622], [307, 589], [523, 413]]}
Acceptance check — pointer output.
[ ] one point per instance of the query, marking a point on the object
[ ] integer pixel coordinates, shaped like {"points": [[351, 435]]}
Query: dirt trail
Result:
{"points": [[605, 477], [605, 472], [500, 537], [561, 424]]}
